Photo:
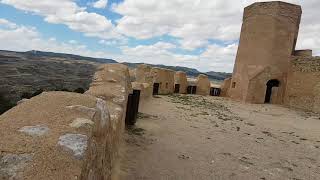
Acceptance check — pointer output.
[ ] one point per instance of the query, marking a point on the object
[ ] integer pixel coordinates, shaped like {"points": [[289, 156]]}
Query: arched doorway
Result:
{"points": [[270, 84]]}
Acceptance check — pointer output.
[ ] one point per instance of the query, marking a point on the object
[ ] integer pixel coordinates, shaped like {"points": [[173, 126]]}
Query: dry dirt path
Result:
{"points": [[203, 138]]}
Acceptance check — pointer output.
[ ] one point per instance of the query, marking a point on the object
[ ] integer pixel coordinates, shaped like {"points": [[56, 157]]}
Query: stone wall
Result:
{"points": [[203, 85], [165, 78], [181, 79], [304, 84], [225, 87], [145, 90], [143, 81], [268, 38], [61, 135], [143, 74]]}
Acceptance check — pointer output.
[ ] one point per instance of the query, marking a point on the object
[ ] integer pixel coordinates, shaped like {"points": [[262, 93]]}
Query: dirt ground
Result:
{"points": [[207, 138]]}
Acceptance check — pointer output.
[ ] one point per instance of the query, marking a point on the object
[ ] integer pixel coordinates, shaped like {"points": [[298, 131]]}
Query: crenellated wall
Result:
{"points": [[61, 135]]}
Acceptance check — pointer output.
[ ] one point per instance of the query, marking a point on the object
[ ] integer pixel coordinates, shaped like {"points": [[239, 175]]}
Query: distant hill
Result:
{"points": [[219, 75], [67, 56]]}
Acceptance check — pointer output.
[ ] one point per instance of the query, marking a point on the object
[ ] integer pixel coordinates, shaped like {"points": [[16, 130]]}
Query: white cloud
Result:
{"points": [[219, 58], [69, 13], [158, 53], [100, 4], [73, 42], [7, 24], [22, 38], [192, 21]]}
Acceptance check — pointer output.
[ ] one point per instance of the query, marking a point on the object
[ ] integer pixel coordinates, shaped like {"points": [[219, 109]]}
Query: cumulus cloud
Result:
{"points": [[219, 58], [69, 13], [23, 38], [100, 4], [158, 53], [190, 20]]}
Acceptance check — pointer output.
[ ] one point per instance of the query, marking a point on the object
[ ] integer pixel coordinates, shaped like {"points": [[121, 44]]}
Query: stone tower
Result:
{"points": [[268, 39]]}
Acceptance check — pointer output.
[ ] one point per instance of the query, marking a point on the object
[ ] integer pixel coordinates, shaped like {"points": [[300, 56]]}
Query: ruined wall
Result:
{"points": [[143, 81], [143, 74], [303, 88], [181, 79], [61, 135], [165, 78], [203, 85], [225, 87], [145, 90], [268, 38]]}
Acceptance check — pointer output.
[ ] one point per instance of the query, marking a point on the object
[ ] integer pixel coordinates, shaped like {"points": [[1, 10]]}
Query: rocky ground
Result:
{"points": [[206, 138]]}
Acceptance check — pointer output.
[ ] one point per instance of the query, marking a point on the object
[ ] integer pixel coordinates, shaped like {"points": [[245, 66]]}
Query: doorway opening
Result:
{"points": [[270, 84], [192, 89], [176, 88], [215, 91], [132, 108], [156, 88]]}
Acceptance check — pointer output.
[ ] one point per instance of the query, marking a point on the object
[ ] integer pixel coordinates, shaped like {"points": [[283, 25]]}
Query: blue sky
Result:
{"points": [[200, 34]]}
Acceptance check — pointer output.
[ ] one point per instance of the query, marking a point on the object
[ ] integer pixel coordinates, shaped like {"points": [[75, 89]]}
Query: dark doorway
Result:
{"points": [[270, 84], [192, 89], [176, 88], [132, 107], [215, 91], [156, 88]]}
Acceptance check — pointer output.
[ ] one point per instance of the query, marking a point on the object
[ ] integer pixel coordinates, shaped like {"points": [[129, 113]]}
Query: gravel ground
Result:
{"points": [[202, 138]]}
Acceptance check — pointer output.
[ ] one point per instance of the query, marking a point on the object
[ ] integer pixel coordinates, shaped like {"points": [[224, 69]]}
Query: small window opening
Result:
{"points": [[233, 84]]}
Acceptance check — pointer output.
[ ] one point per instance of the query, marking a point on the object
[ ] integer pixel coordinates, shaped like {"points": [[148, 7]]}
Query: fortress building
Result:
{"points": [[268, 39], [268, 69]]}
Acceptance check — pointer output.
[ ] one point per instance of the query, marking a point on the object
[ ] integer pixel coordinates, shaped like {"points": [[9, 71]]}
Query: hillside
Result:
{"points": [[24, 74]]}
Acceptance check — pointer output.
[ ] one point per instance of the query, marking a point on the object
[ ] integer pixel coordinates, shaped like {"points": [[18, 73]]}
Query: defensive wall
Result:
{"points": [[62, 135], [303, 87]]}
